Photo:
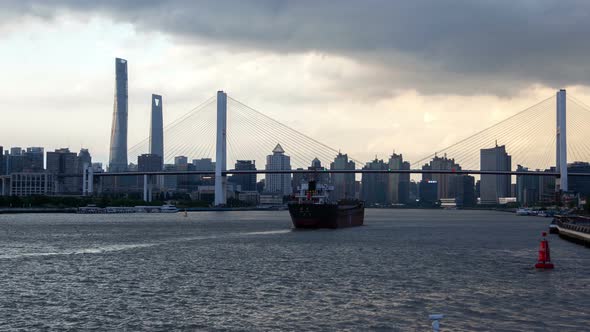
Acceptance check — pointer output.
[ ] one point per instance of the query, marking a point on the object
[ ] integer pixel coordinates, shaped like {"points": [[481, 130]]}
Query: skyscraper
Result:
{"points": [[278, 183], [493, 187], [118, 150], [398, 187], [157, 127], [344, 184], [404, 185], [149, 163]]}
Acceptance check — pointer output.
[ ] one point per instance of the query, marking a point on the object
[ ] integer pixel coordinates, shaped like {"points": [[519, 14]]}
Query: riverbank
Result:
{"points": [[37, 210], [201, 209], [181, 209], [574, 229]]}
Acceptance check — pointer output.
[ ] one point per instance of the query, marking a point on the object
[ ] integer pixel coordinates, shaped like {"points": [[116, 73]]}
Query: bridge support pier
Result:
{"points": [[87, 180], [145, 187], [150, 188], [561, 143], [90, 185], [221, 150]]}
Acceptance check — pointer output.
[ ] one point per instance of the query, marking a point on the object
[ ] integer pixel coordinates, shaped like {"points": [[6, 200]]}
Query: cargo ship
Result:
{"points": [[312, 209]]}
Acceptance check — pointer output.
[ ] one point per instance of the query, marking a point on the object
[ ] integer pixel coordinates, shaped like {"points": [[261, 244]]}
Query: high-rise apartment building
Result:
{"points": [[344, 183], [442, 180], [321, 177], [246, 181], [34, 159], [118, 150], [374, 186], [63, 162]]}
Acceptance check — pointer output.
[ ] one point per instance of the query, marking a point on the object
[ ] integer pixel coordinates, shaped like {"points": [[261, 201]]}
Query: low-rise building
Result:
{"points": [[29, 184], [250, 197], [271, 199]]}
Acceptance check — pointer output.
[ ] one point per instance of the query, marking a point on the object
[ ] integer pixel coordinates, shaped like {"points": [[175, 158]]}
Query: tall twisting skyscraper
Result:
{"points": [[157, 127], [118, 153]]}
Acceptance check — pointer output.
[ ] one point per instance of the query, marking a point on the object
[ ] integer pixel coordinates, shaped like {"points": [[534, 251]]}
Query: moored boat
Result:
{"points": [[167, 208]]}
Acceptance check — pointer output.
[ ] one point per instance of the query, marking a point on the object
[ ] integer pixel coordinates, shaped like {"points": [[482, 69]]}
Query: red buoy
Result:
{"points": [[544, 260]]}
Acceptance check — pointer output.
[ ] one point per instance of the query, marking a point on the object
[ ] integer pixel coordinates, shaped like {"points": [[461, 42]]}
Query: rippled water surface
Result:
{"points": [[248, 271]]}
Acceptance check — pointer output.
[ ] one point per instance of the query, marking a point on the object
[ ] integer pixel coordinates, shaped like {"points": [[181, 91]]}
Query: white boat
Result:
{"points": [[524, 212], [167, 208]]}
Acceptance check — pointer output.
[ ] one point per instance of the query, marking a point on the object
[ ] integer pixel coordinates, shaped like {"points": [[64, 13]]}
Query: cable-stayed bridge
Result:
{"points": [[223, 128], [251, 135]]}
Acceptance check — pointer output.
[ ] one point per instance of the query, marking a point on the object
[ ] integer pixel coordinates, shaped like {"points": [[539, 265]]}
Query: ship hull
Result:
{"points": [[313, 216]]}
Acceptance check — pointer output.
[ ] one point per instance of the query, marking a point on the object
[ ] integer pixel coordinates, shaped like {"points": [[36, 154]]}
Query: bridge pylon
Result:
{"points": [[561, 143], [221, 150]]}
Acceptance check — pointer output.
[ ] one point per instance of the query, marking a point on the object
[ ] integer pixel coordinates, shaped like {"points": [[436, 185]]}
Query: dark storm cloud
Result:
{"points": [[432, 46]]}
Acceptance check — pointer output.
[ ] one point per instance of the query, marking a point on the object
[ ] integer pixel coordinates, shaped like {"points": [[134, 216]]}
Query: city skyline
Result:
{"points": [[328, 82], [23, 173]]}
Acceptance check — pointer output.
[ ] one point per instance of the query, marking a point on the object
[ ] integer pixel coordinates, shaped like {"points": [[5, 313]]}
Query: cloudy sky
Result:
{"points": [[367, 77]]}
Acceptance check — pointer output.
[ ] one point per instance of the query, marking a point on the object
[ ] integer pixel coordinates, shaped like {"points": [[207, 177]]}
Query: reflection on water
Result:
{"points": [[250, 271]]}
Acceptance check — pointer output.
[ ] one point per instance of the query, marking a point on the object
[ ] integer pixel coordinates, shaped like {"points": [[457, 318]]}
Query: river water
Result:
{"points": [[249, 271]]}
